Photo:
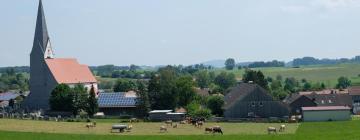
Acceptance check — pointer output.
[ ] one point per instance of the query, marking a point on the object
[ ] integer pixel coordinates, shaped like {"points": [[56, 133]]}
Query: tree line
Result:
{"points": [[314, 61]]}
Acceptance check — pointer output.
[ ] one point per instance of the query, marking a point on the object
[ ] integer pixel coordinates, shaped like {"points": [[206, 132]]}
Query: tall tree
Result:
{"points": [[123, 85], [92, 104], [79, 97], [291, 85], [343, 82], [215, 104], [230, 64], [202, 79], [225, 80], [60, 99], [143, 103], [162, 89], [256, 77], [185, 89]]}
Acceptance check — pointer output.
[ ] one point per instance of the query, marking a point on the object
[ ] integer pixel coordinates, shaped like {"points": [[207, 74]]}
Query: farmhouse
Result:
{"points": [[354, 92], [46, 71], [117, 104], [326, 113], [6, 97], [296, 101], [252, 101]]}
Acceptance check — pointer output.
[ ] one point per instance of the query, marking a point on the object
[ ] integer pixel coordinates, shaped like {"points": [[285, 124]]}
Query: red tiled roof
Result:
{"points": [[69, 71], [322, 108], [355, 90]]}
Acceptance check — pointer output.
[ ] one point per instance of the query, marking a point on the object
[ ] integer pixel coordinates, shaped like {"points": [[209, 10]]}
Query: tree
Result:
{"points": [[291, 85], [256, 77], [230, 64], [215, 104], [185, 89], [343, 82], [225, 80], [162, 89], [307, 86], [143, 102], [60, 99], [92, 104], [123, 85], [202, 79], [11, 103], [79, 99]]}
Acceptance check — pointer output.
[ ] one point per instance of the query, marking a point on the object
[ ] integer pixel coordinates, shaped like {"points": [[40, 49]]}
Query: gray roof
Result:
{"points": [[8, 96], [116, 99], [240, 91], [41, 33]]}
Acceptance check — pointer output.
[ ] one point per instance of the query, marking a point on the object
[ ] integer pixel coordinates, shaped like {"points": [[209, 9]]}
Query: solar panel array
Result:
{"points": [[117, 99], [8, 96]]}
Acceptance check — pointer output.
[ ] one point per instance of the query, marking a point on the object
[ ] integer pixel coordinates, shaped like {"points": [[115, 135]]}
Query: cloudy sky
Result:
{"points": [[155, 32]]}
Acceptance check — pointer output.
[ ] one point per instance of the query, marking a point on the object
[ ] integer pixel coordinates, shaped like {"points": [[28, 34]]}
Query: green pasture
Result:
{"points": [[347, 130], [328, 74]]}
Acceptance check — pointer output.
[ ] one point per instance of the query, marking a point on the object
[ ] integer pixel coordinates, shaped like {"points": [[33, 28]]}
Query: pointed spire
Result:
{"points": [[41, 34]]}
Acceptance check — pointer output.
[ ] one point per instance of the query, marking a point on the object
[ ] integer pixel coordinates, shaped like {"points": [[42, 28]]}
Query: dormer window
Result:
{"points": [[252, 104]]}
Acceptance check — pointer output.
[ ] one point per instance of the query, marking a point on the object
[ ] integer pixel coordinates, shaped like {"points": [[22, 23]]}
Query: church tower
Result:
{"points": [[41, 80], [46, 72]]}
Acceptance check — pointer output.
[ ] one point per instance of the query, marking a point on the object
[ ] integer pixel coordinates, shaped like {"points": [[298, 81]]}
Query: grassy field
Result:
{"points": [[348, 130], [328, 74], [103, 128]]}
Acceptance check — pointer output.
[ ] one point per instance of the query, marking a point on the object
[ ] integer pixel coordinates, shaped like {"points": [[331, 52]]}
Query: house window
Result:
{"points": [[322, 102], [252, 104], [261, 104], [330, 101]]}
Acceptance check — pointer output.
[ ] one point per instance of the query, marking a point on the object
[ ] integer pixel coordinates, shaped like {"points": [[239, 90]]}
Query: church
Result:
{"points": [[46, 71]]}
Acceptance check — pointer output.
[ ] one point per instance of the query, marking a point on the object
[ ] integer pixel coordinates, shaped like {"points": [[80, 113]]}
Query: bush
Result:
{"points": [[202, 113]]}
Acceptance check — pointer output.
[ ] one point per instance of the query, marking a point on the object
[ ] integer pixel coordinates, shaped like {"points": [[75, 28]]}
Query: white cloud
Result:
{"points": [[334, 4], [316, 5]]}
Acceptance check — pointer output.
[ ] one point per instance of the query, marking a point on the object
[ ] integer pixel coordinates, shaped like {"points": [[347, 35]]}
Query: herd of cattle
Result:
{"points": [[196, 122]]}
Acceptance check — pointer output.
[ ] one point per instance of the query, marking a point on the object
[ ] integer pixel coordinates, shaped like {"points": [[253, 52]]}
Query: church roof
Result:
{"points": [[41, 33], [69, 71]]}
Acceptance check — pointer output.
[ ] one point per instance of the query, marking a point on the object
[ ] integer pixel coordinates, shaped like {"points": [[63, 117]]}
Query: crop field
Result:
{"points": [[40, 130], [328, 74]]}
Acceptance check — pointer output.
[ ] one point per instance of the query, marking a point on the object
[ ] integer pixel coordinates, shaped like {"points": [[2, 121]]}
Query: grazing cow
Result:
{"points": [[91, 125], [271, 129], [183, 122], [129, 128], [134, 120], [175, 125], [169, 122], [199, 124], [163, 129], [282, 128], [208, 129], [217, 129]]}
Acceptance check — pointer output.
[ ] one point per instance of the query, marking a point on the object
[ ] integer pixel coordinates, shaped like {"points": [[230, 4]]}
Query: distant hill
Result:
{"points": [[215, 63]]}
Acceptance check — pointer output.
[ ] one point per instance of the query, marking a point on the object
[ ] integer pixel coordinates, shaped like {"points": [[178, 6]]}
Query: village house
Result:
{"points": [[354, 92], [318, 98], [247, 100]]}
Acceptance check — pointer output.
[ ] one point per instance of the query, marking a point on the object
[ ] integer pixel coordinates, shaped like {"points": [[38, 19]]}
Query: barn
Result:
{"points": [[117, 103], [326, 113], [248, 100]]}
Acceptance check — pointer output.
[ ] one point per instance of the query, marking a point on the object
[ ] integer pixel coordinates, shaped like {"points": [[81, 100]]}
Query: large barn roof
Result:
{"points": [[69, 71], [240, 91]]}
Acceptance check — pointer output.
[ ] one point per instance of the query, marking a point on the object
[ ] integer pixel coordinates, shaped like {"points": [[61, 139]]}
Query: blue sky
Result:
{"points": [[156, 32]]}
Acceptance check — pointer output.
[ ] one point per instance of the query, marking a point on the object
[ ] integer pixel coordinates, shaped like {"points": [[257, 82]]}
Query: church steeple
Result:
{"points": [[41, 40]]}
